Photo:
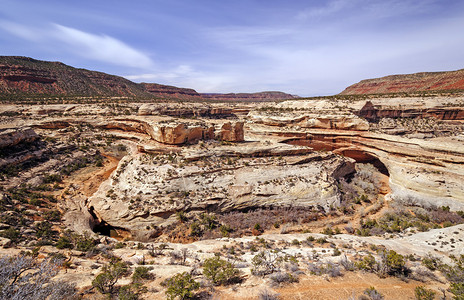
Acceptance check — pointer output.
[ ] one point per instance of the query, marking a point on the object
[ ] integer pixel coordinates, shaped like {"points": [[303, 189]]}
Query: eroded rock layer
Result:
{"points": [[290, 154], [418, 82]]}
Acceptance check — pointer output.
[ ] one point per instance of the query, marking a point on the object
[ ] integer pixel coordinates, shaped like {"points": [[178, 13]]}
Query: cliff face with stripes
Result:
{"points": [[418, 82], [31, 77]]}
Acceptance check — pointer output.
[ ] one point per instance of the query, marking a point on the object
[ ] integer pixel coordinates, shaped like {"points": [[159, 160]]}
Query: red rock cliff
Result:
{"points": [[418, 82]]}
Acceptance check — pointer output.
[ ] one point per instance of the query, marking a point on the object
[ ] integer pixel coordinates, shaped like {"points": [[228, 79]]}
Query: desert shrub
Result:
{"points": [[141, 273], [363, 231], [331, 269], [321, 240], [180, 256], [64, 243], [347, 264], [52, 215], [83, 242], [336, 252], [328, 231], [268, 295], [50, 178], [44, 230], [371, 294], [128, 292], [296, 242], [444, 215], [432, 263], [265, 262], [181, 216], [241, 222], [219, 271], [195, 229], [180, 286], [209, 220], [156, 251], [422, 293], [393, 263], [11, 233], [455, 275], [283, 277], [367, 263], [225, 230], [23, 277], [107, 279]]}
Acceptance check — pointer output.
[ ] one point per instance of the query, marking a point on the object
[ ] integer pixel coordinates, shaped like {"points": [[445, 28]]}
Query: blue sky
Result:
{"points": [[306, 48]]}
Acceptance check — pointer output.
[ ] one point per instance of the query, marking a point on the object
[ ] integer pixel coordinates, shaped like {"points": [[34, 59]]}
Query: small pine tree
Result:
{"points": [[106, 280], [219, 271], [181, 285]]}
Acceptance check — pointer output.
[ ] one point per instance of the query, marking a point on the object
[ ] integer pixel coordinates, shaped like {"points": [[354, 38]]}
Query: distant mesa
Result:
{"points": [[253, 97], [28, 77], [409, 83], [161, 90]]}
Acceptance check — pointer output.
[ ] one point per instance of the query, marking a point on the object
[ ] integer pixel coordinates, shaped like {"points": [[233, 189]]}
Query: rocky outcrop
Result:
{"points": [[249, 97], [421, 172], [373, 112], [347, 122], [191, 111], [58, 124], [14, 136], [177, 134], [232, 132], [222, 185], [409, 83], [127, 126], [424, 165]]}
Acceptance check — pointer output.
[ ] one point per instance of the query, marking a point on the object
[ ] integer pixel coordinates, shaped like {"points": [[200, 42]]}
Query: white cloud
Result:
{"points": [[187, 76], [330, 8], [101, 47], [20, 30], [88, 45]]}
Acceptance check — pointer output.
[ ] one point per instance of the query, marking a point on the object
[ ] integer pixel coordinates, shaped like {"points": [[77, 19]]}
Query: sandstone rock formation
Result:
{"points": [[311, 120], [232, 133], [373, 113], [192, 111], [425, 172], [216, 182]]}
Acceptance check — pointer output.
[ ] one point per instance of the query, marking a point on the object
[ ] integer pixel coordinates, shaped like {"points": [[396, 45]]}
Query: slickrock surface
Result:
{"points": [[163, 186]]}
